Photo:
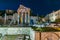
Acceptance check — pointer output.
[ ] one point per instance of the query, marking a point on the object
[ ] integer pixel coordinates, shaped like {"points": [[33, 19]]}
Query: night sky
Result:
{"points": [[41, 7], [9, 4]]}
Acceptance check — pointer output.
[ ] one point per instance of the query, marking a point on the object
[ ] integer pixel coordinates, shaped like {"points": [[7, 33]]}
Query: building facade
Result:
{"points": [[54, 15]]}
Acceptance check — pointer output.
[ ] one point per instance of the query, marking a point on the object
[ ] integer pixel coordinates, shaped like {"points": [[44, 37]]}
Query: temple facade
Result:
{"points": [[23, 14]]}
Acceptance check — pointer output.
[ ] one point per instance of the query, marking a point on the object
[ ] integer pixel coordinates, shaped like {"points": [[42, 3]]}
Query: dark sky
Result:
{"points": [[9, 4], [42, 7]]}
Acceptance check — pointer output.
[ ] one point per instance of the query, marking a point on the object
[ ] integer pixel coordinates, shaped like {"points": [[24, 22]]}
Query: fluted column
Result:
{"points": [[28, 17], [22, 18]]}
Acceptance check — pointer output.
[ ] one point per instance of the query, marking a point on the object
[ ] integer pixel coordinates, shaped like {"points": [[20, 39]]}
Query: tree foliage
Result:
{"points": [[32, 14], [57, 20]]}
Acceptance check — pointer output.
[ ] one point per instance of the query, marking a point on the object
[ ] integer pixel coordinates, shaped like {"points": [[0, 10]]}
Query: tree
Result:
{"points": [[2, 12], [42, 19], [42, 16], [31, 13], [57, 20]]}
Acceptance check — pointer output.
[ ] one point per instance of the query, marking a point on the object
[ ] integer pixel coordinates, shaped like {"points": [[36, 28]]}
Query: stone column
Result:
{"points": [[18, 19], [29, 17], [22, 18], [5, 19], [14, 19], [25, 18]]}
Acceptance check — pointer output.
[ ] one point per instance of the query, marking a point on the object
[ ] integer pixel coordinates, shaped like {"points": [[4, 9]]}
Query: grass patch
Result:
{"points": [[44, 29]]}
